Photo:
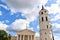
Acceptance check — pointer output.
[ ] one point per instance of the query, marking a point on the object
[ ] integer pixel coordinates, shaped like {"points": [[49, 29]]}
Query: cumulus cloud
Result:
{"points": [[7, 21], [54, 8], [31, 16], [57, 25], [27, 7], [4, 6], [57, 17], [18, 25], [57, 38], [3, 26], [37, 34], [21, 4], [57, 31], [43, 2]]}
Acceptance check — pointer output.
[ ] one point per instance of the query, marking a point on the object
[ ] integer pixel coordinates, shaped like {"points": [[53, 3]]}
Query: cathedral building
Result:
{"points": [[26, 35], [45, 29]]}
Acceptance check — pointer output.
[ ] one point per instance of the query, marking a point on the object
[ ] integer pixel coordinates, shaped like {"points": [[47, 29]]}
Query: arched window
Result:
{"points": [[42, 19], [46, 19], [47, 26], [45, 33], [45, 11], [41, 13]]}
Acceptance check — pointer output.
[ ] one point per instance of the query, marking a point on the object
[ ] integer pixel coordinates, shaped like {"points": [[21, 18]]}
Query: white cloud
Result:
{"points": [[57, 25], [21, 4], [4, 7], [7, 21], [56, 38], [31, 16], [58, 1], [3, 26], [57, 17], [28, 7], [38, 27], [0, 13], [31, 29], [53, 9], [43, 2], [19, 24], [37, 34]]}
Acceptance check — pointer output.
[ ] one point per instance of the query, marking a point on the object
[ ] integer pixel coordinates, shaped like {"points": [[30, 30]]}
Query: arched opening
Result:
{"points": [[42, 19], [46, 19]]}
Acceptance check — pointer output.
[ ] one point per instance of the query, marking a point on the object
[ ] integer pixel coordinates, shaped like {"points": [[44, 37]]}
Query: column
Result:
{"points": [[31, 37], [20, 37], [23, 37], [28, 37], [34, 37], [17, 37]]}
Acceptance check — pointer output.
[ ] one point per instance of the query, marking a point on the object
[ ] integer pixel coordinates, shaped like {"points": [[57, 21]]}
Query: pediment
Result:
{"points": [[26, 31]]}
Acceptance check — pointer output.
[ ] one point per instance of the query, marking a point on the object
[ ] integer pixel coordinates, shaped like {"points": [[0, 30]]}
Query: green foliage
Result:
{"points": [[3, 35]]}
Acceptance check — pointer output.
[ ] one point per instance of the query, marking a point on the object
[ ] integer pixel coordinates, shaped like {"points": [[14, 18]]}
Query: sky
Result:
{"points": [[15, 15]]}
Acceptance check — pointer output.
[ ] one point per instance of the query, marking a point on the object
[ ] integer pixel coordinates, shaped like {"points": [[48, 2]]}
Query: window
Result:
{"points": [[47, 26], [42, 19], [46, 19], [45, 11], [41, 12]]}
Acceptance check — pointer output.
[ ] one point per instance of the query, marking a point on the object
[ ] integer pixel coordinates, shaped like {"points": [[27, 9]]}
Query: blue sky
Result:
{"points": [[14, 15]]}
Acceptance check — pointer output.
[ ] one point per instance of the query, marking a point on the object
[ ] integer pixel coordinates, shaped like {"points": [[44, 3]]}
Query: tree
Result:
{"points": [[3, 35]]}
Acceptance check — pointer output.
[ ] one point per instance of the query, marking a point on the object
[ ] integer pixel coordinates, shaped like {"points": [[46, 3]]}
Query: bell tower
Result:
{"points": [[44, 24]]}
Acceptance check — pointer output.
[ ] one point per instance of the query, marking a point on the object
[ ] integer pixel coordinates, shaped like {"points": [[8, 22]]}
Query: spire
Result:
{"points": [[42, 7]]}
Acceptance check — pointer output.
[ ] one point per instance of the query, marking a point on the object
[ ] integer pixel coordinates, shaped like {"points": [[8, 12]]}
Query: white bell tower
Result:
{"points": [[45, 26]]}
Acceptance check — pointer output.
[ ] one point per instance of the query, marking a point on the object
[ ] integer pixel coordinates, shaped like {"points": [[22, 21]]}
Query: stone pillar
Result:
{"points": [[31, 37], [28, 37], [17, 37], [20, 37], [23, 37]]}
